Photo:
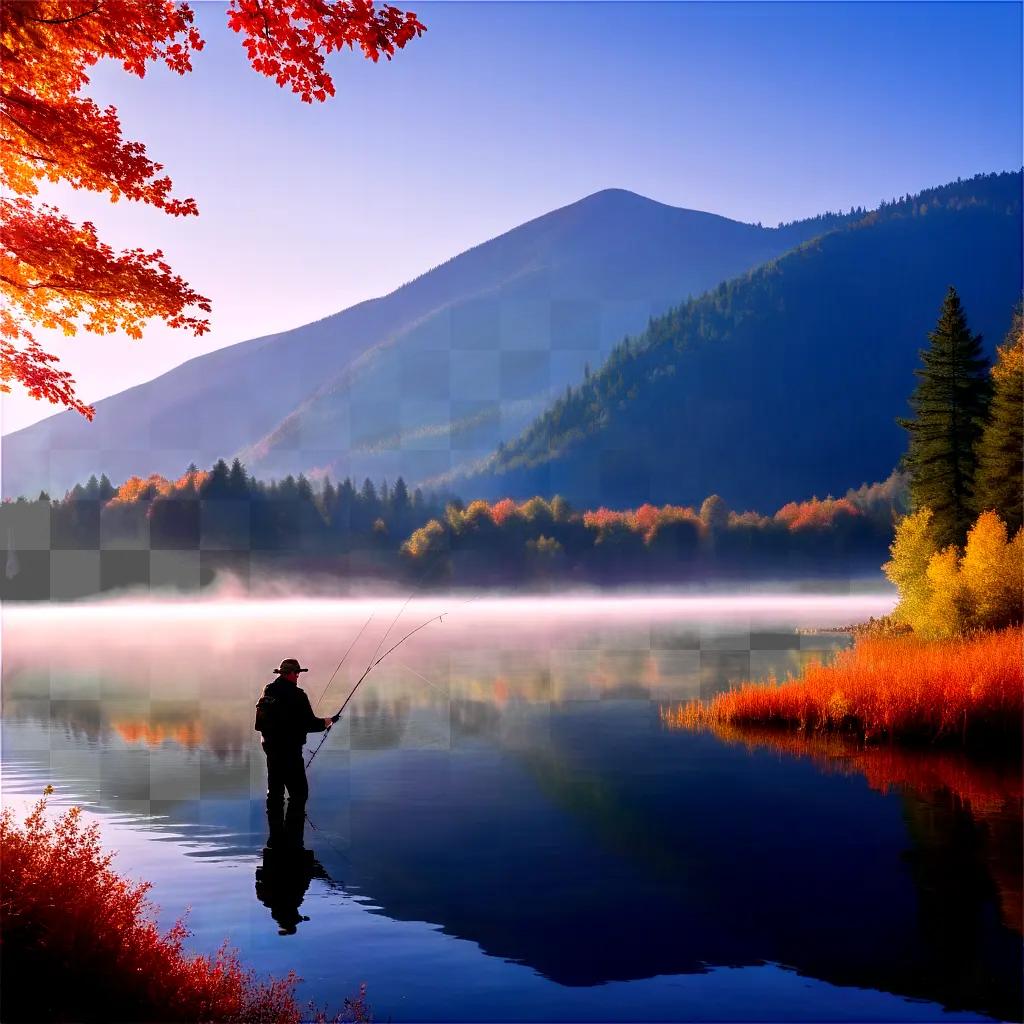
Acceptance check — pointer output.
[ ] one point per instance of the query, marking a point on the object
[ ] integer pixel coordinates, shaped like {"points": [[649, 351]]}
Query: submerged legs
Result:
{"points": [[286, 772]]}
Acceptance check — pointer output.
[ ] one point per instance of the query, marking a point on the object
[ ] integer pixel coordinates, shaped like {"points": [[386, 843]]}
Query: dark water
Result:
{"points": [[506, 828]]}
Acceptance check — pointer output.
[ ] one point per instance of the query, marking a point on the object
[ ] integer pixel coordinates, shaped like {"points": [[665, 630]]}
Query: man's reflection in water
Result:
{"points": [[287, 869], [281, 883]]}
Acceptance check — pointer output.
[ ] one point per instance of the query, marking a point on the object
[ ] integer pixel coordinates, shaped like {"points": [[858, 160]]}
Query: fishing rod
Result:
{"points": [[374, 662]]}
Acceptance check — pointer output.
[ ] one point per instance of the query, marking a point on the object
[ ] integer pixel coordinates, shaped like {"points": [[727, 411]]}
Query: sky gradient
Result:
{"points": [[504, 111]]}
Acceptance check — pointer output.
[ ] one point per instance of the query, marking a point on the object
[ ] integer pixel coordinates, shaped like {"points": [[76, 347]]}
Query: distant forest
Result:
{"points": [[160, 534]]}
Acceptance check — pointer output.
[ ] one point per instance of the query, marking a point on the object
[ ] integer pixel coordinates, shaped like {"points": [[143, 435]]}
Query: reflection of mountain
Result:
{"points": [[697, 854]]}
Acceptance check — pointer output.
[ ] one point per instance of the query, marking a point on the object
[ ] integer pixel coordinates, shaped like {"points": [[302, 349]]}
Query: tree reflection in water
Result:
{"points": [[964, 815]]}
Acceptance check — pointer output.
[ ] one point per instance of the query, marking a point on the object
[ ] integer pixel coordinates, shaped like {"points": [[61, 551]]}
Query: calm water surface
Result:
{"points": [[505, 827]]}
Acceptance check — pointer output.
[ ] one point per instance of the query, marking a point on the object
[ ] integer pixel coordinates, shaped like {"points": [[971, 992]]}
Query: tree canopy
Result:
{"points": [[55, 274], [949, 403]]}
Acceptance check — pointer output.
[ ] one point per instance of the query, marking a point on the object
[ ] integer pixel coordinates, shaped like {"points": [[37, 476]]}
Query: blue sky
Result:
{"points": [[503, 111]]}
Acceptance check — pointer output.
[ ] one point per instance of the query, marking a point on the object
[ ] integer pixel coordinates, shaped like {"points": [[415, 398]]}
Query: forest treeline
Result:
{"points": [[337, 532], [487, 543]]}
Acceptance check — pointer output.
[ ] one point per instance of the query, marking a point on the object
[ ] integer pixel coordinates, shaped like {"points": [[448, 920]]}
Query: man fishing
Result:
{"points": [[284, 717]]}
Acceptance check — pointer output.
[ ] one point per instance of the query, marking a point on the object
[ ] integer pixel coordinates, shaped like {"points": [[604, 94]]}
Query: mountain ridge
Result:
{"points": [[900, 258], [536, 275]]}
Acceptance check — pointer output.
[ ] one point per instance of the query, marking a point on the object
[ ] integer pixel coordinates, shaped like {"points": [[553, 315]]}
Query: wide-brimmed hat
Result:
{"points": [[289, 665]]}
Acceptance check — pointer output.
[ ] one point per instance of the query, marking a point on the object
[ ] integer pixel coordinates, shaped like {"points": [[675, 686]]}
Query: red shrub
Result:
{"points": [[80, 943]]}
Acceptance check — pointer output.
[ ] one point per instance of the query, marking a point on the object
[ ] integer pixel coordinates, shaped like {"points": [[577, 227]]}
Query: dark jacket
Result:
{"points": [[284, 716]]}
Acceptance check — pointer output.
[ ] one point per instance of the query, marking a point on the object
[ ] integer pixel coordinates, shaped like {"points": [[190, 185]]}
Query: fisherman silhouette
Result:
{"points": [[284, 717]]}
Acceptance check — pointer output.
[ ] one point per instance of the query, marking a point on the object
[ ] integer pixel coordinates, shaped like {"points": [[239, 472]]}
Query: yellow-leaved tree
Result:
{"points": [[912, 550], [945, 593], [992, 570], [948, 612]]}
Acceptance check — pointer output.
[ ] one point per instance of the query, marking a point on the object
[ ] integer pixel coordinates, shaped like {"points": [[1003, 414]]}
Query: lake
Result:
{"points": [[506, 825]]}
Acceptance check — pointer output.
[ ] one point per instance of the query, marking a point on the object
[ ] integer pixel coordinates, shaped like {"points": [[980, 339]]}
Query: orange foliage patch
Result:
{"points": [[502, 510], [136, 489], [816, 514], [155, 486], [889, 687], [77, 935], [643, 520]]}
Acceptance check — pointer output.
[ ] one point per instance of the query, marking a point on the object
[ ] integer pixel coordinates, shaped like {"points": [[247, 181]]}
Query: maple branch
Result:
{"points": [[58, 286], [24, 127], [59, 275], [64, 21], [266, 26]]}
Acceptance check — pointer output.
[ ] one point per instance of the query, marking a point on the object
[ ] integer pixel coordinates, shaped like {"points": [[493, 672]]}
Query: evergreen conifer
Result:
{"points": [[949, 404]]}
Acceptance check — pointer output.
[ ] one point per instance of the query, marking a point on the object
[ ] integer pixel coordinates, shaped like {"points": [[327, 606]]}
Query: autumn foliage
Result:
{"points": [[135, 488], [897, 688], [815, 514], [55, 274], [80, 943], [949, 592]]}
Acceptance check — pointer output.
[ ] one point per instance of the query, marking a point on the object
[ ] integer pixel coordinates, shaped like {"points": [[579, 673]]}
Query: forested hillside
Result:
{"points": [[786, 381], [420, 381]]}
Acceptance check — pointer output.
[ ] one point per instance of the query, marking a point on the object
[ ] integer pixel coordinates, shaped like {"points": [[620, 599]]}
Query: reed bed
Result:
{"points": [[958, 691], [80, 943]]}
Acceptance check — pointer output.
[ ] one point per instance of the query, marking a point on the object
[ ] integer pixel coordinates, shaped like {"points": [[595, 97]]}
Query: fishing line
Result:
{"points": [[374, 660], [334, 846], [405, 604], [369, 669], [344, 656], [420, 675]]}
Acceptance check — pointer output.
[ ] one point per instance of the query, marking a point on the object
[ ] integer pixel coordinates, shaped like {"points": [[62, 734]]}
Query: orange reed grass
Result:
{"points": [[889, 688], [79, 942]]}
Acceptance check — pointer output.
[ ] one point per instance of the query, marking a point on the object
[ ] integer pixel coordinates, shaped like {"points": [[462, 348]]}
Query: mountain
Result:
{"points": [[418, 381], [783, 382]]}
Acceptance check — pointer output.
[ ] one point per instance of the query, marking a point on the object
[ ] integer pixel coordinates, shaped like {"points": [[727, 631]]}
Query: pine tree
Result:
{"points": [[107, 490], [216, 484], [238, 480], [328, 500], [949, 405], [999, 481], [400, 500]]}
